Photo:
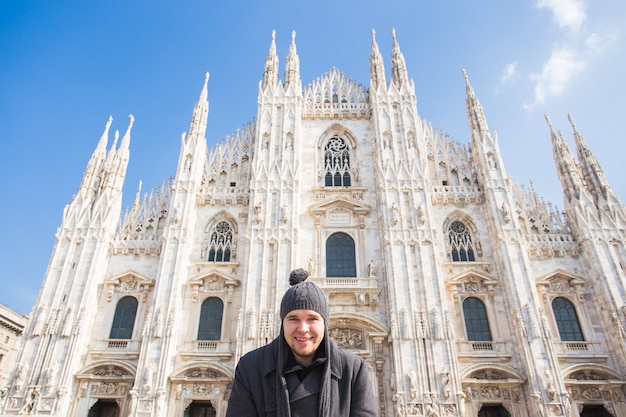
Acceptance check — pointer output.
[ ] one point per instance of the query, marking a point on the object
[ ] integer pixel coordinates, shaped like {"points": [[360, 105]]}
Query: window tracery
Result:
{"points": [[337, 163], [220, 243], [460, 241]]}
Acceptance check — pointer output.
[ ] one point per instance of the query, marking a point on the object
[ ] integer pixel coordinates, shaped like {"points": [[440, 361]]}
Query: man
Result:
{"points": [[302, 373]]}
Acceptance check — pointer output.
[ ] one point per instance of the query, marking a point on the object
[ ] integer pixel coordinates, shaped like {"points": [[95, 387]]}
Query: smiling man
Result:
{"points": [[302, 373]]}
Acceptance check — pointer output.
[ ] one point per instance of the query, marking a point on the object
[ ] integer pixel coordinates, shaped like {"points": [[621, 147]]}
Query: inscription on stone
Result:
{"points": [[339, 218]]}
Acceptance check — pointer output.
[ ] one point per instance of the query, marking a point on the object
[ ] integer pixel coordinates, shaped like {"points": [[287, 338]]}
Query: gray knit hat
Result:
{"points": [[303, 295]]}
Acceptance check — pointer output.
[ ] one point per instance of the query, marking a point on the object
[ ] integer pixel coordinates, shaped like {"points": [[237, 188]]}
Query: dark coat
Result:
{"points": [[254, 388]]}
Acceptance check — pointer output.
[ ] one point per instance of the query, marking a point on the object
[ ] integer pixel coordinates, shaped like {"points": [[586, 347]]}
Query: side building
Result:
{"points": [[11, 329], [466, 293]]}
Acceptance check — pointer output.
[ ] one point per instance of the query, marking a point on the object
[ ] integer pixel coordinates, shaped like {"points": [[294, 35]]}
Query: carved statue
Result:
{"points": [[20, 374], [371, 268], [310, 266], [31, 405]]}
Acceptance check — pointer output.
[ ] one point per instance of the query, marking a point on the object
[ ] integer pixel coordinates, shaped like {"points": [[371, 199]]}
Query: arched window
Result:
{"points": [[210, 327], [461, 246], [476, 321], [567, 320], [124, 319], [337, 163], [340, 256], [221, 241]]}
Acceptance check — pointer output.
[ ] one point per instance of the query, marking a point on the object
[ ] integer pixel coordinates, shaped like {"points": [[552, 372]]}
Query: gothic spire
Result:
{"points": [[590, 168], [117, 160], [292, 64], [566, 165], [97, 158], [377, 67], [399, 74], [475, 113], [270, 75], [125, 145], [197, 127]]}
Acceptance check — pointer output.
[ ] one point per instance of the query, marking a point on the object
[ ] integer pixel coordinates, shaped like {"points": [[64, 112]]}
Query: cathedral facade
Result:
{"points": [[466, 294]]}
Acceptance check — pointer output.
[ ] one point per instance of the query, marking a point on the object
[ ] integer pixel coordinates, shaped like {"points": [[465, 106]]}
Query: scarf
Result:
{"points": [[283, 408]]}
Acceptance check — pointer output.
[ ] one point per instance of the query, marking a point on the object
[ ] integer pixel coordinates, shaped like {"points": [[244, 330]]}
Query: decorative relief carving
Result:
{"points": [[490, 392], [586, 393], [470, 286], [107, 388], [488, 374], [110, 371], [348, 338], [203, 374], [414, 409], [587, 375]]}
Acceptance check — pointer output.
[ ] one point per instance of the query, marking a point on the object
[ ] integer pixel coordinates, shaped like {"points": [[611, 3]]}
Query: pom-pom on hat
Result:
{"points": [[303, 295]]}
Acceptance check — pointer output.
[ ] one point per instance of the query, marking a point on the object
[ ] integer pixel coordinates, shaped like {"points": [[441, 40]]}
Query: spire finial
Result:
{"points": [[377, 68], [571, 121], [549, 123], [105, 134], [270, 74], [126, 138], [399, 73], [292, 64]]}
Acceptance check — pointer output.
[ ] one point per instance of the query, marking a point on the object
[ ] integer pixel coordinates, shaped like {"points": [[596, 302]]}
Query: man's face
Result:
{"points": [[304, 332]]}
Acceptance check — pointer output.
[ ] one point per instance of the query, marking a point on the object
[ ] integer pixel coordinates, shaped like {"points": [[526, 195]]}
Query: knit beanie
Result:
{"points": [[303, 295]]}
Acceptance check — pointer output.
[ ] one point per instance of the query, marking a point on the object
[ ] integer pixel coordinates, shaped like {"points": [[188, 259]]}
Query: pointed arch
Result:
{"points": [[337, 147], [461, 237], [219, 243]]}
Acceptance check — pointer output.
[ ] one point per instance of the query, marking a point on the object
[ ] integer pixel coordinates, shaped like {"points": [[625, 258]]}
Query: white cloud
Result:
{"points": [[509, 71], [597, 43], [560, 69], [567, 13]]}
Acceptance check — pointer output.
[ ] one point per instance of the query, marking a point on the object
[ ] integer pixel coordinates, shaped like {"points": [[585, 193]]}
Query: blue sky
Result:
{"points": [[65, 66]]}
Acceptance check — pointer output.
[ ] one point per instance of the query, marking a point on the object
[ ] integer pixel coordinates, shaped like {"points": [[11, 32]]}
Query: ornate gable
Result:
{"points": [[560, 282], [213, 282], [129, 282], [473, 281]]}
